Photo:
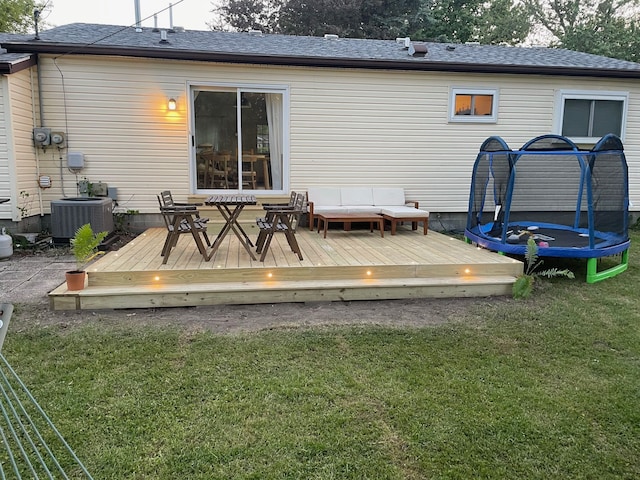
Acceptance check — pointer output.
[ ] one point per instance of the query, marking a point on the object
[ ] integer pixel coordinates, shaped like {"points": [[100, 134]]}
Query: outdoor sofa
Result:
{"points": [[389, 202]]}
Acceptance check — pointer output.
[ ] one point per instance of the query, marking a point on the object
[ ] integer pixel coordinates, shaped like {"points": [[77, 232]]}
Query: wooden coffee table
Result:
{"points": [[347, 218]]}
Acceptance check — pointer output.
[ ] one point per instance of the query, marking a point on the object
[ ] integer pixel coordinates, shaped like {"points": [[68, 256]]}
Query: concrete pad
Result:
{"points": [[28, 279]]}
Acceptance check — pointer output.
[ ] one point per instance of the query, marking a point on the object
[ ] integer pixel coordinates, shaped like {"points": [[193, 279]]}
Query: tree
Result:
{"points": [[496, 21], [602, 27], [620, 38], [16, 16], [349, 18], [503, 21], [493, 22], [245, 15]]}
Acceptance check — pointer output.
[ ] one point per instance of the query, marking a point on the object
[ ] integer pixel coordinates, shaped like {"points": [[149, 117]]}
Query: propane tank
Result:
{"points": [[6, 245]]}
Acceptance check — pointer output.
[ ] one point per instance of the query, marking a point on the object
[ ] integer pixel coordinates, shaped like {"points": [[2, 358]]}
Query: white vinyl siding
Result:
{"points": [[17, 157], [23, 162], [22, 91], [347, 126]]}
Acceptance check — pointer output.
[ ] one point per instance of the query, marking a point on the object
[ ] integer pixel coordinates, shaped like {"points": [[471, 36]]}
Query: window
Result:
{"points": [[240, 142], [473, 105], [588, 116]]}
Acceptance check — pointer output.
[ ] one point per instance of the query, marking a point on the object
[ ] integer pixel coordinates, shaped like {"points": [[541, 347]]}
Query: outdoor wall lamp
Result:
{"points": [[172, 104]]}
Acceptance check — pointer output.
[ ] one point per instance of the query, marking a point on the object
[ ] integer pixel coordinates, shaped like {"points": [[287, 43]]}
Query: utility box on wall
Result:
{"points": [[69, 214]]}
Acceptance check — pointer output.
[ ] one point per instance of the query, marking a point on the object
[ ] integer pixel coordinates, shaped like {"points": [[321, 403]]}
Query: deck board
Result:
{"points": [[338, 249], [356, 264]]}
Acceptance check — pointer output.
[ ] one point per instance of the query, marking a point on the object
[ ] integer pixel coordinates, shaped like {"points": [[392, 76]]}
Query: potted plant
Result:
{"points": [[84, 246]]}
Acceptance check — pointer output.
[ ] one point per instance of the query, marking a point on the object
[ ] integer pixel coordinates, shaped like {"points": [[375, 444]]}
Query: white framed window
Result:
{"points": [[240, 138], [586, 116], [473, 105]]}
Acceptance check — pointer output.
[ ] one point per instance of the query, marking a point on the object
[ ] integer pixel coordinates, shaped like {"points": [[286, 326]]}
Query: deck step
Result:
{"points": [[183, 295]]}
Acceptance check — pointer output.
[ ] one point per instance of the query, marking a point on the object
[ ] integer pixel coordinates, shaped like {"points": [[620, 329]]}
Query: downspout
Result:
{"points": [[33, 113], [39, 90]]}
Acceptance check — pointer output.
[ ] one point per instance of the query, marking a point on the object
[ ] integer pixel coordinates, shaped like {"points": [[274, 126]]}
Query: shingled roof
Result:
{"points": [[13, 62], [265, 49]]}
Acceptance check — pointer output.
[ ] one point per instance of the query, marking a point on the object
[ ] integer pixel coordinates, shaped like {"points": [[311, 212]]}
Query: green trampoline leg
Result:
{"points": [[594, 276]]}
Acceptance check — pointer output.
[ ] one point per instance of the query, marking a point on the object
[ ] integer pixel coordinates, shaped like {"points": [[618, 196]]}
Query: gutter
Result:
{"points": [[322, 62]]}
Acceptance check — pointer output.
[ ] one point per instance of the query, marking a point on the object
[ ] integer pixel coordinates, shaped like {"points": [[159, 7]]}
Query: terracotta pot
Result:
{"points": [[75, 279]]}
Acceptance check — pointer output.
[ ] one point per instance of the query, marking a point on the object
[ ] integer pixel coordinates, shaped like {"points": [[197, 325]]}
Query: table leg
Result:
{"points": [[265, 171], [230, 224], [234, 216]]}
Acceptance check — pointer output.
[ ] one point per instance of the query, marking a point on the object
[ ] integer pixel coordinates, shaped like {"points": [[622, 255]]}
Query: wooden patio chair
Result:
{"points": [[268, 217], [166, 200], [284, 220], [213, 169], [176, 228], [33, 446], [249, 176], [275, 206]]}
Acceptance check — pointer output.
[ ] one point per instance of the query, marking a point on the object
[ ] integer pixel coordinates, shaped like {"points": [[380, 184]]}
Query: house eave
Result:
{"points": [[7, 68], [313, 61]]}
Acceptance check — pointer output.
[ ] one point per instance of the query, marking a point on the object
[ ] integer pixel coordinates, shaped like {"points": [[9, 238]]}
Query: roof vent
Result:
{"points": [[179, 29], [472, 43], [255, 32], [451, 48], [404, 41], [163, 36], [417, 49], [331, 36]]}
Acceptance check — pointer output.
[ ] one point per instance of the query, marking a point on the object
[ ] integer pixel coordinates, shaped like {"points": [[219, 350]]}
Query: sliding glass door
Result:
{"points": [[239, 139]]}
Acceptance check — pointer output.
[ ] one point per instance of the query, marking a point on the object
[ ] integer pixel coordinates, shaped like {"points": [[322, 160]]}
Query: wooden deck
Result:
{"points": [[354, 265]]}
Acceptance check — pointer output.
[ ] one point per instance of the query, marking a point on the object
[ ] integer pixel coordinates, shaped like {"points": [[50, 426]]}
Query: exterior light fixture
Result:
{"points": [[172, 104]]}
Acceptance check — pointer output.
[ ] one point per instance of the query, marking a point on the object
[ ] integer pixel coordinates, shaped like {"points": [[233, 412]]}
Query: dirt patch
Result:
{"points": [[249, 318]]}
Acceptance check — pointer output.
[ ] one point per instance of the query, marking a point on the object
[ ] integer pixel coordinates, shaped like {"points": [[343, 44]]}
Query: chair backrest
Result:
{"points": [[168, 219], [299, 207], [166, 198]]}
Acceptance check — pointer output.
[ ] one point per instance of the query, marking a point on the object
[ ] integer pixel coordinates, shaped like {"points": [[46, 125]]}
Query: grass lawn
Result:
{"points": [[543, 388]]}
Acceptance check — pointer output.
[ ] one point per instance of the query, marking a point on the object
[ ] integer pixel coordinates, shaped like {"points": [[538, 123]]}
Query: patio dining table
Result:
{"points": [[224, 204]]}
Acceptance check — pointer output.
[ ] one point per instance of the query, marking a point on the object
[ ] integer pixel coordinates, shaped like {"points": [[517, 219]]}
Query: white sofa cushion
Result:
{"points": [[324, 196], [362, 209], [403, 212], [330, 208], [353, 196], [388, 196]]}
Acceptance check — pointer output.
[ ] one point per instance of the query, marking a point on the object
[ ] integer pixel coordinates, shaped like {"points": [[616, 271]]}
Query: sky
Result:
{"points": [[190, 14]]}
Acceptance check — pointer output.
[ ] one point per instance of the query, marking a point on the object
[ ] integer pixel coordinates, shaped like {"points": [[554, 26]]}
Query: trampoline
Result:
{"points": [[573, 202]]}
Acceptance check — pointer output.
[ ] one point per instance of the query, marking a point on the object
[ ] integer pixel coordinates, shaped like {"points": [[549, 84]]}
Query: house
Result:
{"points": [[17, 159], [197, 112]]}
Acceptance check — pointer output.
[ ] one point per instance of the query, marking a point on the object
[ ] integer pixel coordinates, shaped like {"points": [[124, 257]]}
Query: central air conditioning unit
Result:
{"points": [[69, 214]]}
